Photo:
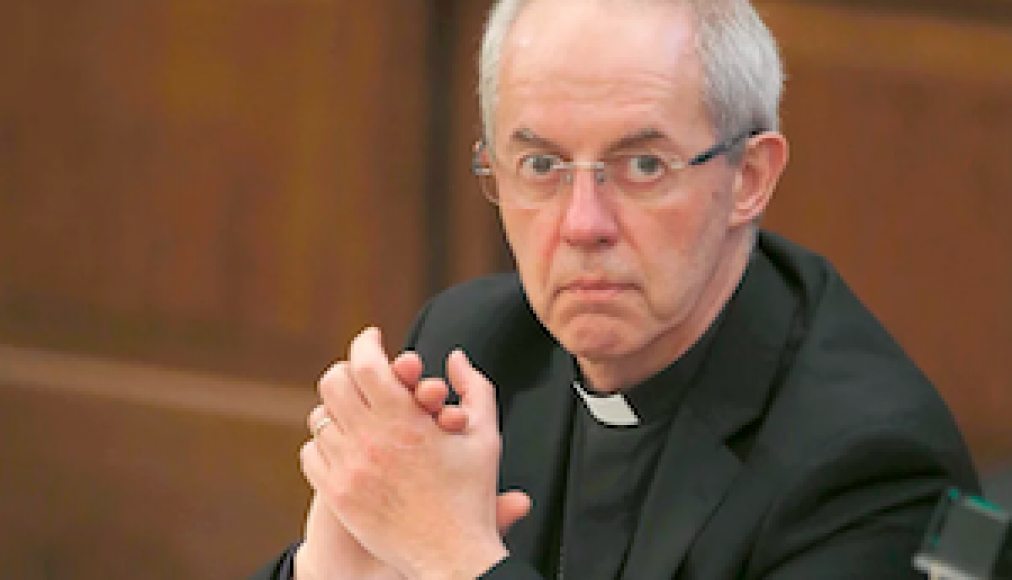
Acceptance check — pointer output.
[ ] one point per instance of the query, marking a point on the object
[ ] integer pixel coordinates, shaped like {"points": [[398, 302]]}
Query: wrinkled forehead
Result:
{"points": [[618, 62]]}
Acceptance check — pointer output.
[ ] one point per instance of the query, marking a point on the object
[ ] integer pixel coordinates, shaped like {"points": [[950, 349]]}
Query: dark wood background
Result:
{"points": [[201, 202]]}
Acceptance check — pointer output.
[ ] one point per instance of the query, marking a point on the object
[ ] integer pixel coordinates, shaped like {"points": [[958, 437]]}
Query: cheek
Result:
{"points": [[532, 240], [668, 270], [677, 250]]}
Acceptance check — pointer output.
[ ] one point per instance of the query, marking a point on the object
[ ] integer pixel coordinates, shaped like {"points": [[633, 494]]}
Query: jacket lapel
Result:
{"points": [[536, 428], [696, 467], [692, 477]]}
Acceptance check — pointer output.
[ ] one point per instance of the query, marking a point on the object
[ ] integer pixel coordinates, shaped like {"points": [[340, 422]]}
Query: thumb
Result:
{"points": [[477, 396], [511, 507]]}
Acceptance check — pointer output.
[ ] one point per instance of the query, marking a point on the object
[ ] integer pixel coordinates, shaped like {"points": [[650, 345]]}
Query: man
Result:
{"points": [[680, 395]]}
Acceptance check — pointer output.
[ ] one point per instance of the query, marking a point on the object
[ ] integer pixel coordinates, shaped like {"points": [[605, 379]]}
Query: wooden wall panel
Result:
{"points": [[125, 471], [901, 127], [477, 245], [230, 184]]}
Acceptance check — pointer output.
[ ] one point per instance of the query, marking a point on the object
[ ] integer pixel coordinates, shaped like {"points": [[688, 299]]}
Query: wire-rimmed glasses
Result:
{"points": [[536, 178]]}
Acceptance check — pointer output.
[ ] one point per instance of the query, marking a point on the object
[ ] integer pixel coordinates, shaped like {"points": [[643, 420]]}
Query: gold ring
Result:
{"points": [[323, 422]]}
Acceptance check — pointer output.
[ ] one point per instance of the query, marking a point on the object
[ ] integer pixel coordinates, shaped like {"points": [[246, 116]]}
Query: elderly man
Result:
{"points": [[680, 394]]}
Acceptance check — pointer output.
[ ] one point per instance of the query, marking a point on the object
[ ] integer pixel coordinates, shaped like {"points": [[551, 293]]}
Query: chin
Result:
{"points": [[596, 336]]}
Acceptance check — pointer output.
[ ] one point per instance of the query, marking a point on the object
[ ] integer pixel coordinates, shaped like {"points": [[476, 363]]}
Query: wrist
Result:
{"points": [[310, 564], [465, 564], [303, 565]]}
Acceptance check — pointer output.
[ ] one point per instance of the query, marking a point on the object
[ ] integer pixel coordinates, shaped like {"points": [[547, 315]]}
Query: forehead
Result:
{"points": [[578, 68]]}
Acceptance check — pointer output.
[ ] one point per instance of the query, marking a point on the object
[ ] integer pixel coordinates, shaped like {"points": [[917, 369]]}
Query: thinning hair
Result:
{"points": [[742, 72]]}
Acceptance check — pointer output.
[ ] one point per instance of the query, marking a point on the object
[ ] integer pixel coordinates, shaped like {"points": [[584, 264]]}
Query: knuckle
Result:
{"points": [[350, 483], [342, 496], [365, 371], [406, 436], [358, 477], [373, 454]]}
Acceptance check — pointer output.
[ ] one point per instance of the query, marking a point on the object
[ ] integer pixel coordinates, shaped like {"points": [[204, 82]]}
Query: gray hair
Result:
{"points": [[742, 71]]}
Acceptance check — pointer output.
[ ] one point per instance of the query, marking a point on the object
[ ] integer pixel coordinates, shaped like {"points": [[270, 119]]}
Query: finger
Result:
{"points": [[317, 472], [477, 396], [370, 371], [511, 507], [319, 422], [325, 434], [431, 394], [407, 368], [315, 464], [341, 400], [452, 419], [314, 417]]}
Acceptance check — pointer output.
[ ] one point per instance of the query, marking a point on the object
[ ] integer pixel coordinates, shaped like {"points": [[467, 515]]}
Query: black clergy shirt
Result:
{"points": [[611, 467]]}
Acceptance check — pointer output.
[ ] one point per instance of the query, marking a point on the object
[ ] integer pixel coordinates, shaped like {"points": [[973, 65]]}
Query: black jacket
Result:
{"points": [[809, 446]]}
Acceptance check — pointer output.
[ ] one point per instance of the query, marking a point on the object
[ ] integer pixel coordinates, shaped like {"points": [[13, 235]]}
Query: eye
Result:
{"points": [[538, 166], [643, 168]]}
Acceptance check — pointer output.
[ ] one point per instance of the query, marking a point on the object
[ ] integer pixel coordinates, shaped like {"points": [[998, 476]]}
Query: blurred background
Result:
{"points": [[202, 202]]}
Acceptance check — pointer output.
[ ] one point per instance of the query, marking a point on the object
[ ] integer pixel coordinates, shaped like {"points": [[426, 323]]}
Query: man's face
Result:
{"points": [[615, 280]]}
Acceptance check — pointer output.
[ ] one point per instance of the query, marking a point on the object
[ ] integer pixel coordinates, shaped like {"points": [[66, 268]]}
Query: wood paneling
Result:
{"points": [[115, 470], [901, 128], [230, 184], [478, 246], [987, 10]]}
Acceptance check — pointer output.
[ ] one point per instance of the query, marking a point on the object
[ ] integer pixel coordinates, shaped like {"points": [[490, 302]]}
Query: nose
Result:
{"points": [[588, 219]]}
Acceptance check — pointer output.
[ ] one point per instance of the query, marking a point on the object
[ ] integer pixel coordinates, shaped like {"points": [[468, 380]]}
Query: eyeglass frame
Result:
{"points": [[478, 169]]}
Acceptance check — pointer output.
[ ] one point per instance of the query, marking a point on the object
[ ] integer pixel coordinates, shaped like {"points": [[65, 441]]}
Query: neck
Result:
{"points": [[611, 375]]}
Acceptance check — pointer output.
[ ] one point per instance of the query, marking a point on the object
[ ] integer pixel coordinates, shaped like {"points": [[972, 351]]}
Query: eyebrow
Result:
{"points": [[525, 136], [638, 139]]}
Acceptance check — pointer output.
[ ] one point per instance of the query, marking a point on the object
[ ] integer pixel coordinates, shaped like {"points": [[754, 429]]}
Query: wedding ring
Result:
{"points": [[323, 422]]}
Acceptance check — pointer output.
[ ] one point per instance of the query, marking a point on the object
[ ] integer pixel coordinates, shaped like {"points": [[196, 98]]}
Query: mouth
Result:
{"points": [[595, 289]]}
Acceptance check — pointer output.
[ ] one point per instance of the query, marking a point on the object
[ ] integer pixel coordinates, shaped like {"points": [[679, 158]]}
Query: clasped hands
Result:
{"points": [[405, 485]]}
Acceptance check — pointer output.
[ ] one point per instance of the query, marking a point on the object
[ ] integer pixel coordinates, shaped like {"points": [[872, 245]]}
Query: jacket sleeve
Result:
{"points": [[860, 511]]}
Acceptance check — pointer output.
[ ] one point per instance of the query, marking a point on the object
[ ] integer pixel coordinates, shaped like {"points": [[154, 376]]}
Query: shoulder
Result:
{"points": [[850, 388], [845, 363], [855, 445], [455, 304]]}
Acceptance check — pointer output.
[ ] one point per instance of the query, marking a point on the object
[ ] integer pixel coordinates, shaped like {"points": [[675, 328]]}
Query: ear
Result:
{"points": [[762, 163]]}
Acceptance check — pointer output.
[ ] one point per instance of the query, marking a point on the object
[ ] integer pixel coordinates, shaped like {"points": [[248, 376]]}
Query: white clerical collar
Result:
{"points": [[612, 410]]}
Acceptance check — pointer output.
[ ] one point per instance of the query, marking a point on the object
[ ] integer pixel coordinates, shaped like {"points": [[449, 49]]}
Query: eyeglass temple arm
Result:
{"points": [[723, 147]]}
